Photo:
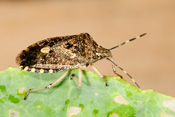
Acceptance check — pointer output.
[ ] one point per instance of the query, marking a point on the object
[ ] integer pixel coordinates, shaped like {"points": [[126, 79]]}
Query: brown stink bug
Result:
{"points": [[64, 53]]}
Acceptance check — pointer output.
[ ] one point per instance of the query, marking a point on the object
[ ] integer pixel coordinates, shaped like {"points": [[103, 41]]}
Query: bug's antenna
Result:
{"points": [[124, 72], [127, 41]]}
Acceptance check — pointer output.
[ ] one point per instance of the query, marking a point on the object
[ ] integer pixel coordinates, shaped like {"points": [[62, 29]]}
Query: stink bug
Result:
{"points": [[64, 53]]}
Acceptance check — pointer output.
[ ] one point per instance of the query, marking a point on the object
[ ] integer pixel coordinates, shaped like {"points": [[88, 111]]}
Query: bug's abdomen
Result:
{"points": [[39, 70], [49, 68]]}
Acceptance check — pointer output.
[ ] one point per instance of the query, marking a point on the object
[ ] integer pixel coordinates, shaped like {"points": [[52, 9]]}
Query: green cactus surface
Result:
{"points": [[94, 99]]}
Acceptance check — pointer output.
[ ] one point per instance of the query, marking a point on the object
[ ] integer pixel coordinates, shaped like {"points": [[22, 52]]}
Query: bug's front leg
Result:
{"points": [[47, 87], [99, 73], [114, 70]]}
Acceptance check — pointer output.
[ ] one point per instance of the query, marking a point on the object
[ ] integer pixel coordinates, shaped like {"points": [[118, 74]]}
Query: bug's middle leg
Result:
{"points": [[47, 87], [79, 83], [99, 73]]}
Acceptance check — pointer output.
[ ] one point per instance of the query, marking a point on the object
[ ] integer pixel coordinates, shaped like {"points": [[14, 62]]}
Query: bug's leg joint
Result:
{"points": [[48, 87], [72, 76], [99, 73], [118, 74]]}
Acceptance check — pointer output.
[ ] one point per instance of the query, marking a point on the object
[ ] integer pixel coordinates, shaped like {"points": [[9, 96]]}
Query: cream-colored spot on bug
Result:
{"points": [[73, 56], [45, 50], [26, 68], [21, 91], [41, 71], [21, 67], [74, 111], [169, 104], [33, 70], [113, 115], [165, 115], [50, 70], [121, 100], [13, 113]]}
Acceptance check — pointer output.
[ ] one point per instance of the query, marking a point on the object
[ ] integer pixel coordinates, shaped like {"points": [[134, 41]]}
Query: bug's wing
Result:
{"points": [[53, 53]]}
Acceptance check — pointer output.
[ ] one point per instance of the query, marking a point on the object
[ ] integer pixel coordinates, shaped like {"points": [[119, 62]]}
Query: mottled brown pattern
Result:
{"points": [[66, 52]]}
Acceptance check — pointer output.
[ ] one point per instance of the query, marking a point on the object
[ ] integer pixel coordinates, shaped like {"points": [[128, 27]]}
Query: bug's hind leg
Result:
{"points": [[99, 73], [47, 87], [79, 83]]}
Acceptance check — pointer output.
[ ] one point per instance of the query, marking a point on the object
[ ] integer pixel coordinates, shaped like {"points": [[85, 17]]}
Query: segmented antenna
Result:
{"points": [[127, 41], [124, 72]]}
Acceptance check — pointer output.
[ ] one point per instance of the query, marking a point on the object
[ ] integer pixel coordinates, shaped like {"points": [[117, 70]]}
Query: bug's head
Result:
{"points": [[102, 53], [99, 53]]}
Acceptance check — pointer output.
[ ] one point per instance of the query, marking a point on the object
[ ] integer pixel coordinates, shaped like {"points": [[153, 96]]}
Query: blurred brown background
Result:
{"points": [[150, 60]]}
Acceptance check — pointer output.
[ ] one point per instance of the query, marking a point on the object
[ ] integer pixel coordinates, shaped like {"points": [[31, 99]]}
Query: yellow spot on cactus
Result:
{"points": [[121, 100], [169, 104], [21, 91], [165, 115], [74, 111], [39, 106], [113, 115], [13, 113]]}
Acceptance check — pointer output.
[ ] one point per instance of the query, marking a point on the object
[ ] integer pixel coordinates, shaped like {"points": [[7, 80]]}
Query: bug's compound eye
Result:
{"points": [[45, 50]]}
